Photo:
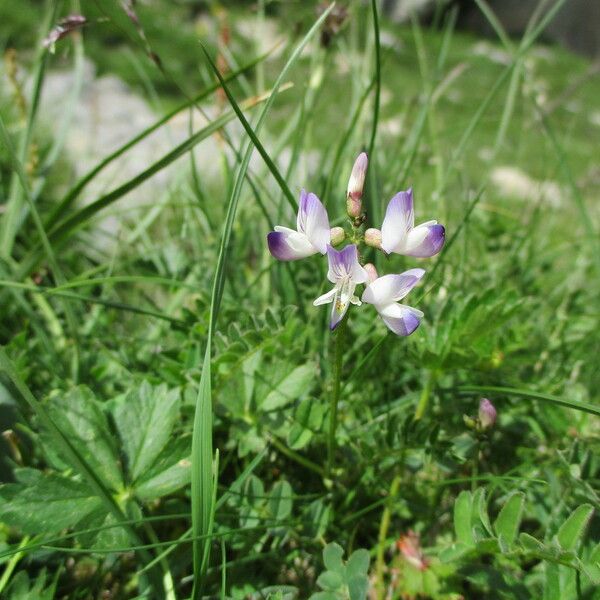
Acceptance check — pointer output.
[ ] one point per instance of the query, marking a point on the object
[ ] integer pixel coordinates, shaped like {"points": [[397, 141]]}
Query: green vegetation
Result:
{"points": [[165, 385]]}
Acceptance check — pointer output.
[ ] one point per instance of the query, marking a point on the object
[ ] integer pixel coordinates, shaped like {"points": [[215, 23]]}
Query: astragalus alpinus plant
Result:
{"points": [[398, 234]]}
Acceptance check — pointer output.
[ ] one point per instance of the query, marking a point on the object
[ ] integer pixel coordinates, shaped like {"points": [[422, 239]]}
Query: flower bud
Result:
{"points": [[371, 272], [410, 547], [337, 236], [373, 237], [487, 414], [356, 184]]}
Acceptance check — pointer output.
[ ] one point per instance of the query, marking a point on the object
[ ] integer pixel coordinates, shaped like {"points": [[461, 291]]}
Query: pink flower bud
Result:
{"points": [[487, 414], [337, 235], [410, 547], [356, 184], [373, 237], [371, 272]]}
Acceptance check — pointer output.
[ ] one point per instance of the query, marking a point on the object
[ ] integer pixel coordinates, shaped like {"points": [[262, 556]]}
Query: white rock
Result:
{"points": [[514, 182]]}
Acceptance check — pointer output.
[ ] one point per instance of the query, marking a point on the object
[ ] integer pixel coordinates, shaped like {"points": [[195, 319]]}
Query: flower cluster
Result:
{"points": [[398, 235]]}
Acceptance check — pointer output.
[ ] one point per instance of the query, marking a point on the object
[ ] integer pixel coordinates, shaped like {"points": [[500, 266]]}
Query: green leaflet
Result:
{"points": [[289, 388], [145, 418], [49, 502], [462, 518], [80, 417], [348, 580], [169, 472], [280, 500], [572, 530], [509, 519], [46, 503]]}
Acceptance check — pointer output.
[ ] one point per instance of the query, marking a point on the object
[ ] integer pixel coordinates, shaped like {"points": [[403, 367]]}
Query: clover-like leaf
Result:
{"points": [[332, 558], [145, 417]]}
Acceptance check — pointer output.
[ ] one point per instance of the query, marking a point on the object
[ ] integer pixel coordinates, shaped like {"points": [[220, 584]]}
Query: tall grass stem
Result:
{"points": [[383, 530], [425, 395]]}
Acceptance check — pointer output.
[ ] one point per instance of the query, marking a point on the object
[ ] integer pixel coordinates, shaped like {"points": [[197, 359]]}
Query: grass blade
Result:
{"points": [[78, 219], [201, 488], [49, 251], [10, 221], [252, 134], [72, 195], [377, 102], [587, 407]]}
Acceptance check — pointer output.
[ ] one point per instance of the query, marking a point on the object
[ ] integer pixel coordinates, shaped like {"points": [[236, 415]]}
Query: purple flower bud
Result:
{"points": [[337, 235], [373, 237], [487, 414], [356, 184]]}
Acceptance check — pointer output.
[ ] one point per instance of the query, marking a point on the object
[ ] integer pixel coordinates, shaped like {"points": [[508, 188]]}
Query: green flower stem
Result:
{"points": [[291, 454], [335, 393], [12, 563], [475, 469], [425, 395], [383, 531], [169, 586]]}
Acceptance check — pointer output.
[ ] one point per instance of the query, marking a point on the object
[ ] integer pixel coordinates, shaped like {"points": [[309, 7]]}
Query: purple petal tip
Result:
{"points": [[278, 247], [438, 237], [412, 323]]}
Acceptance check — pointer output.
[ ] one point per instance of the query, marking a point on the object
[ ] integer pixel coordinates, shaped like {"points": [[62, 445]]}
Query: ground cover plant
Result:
{"points": [[180, 421]]}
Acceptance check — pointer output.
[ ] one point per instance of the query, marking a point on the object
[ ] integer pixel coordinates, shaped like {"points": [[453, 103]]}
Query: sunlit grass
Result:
{"points": [[497, 139]]}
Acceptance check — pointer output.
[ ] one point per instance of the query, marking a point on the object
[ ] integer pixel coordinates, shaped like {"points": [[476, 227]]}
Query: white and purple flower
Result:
{"points": [[385, 292], [399, 234], [312, 234], [345, 272]]}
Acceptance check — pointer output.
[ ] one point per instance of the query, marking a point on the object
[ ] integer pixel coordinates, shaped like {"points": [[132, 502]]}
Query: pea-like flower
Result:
{"points": [[312, 234], [385, 292], [345, 272], [399, 234]]}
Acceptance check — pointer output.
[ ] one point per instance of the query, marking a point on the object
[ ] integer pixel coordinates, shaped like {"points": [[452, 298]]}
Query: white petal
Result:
{"points": [[313, 221], [414, 311], [391, 288], [399, 220], [359, 274], [325, 298]]}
